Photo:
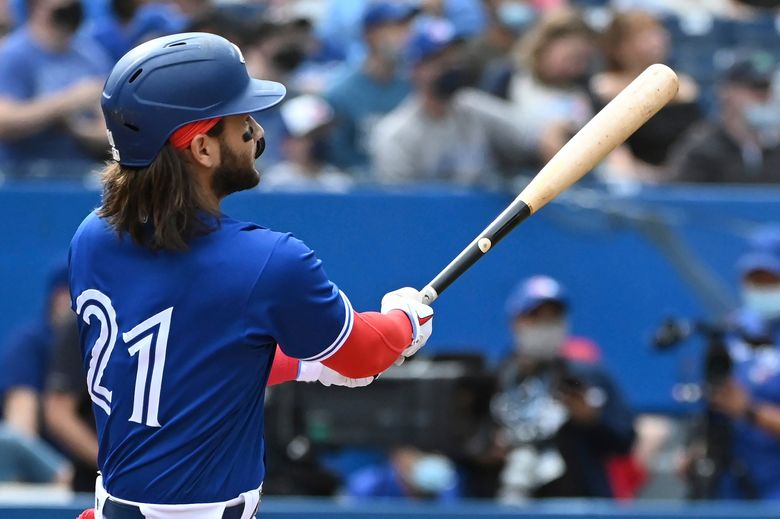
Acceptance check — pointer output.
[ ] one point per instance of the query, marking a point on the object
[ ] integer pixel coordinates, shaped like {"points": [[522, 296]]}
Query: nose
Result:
{"points": [[259, 132], [255, 132]]}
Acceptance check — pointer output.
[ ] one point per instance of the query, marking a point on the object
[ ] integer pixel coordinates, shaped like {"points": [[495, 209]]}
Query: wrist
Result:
{"points": [[308, 371]]}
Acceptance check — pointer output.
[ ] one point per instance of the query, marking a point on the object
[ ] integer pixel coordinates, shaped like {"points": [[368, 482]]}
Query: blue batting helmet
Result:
{"points": [[165, 83]]}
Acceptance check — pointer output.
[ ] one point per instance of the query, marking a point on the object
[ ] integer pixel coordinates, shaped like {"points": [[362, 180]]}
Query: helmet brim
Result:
{"points": [[259, 95]]}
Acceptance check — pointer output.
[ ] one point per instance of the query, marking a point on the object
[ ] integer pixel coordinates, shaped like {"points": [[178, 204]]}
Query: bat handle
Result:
{"points": [[429, 294]]}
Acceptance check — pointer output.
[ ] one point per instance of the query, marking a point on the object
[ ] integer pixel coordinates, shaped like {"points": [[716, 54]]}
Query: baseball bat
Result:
{"points": [[609, 128]]}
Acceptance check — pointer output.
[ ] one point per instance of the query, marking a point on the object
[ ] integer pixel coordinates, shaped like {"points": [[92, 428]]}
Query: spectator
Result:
{"points": [[551, 65], [6, 19], [444, 132], [25, 359], [305, 146], [341, 24], [68, 408], [560, 415], [50, 85], [274, 53], [193, 8], [131, 22], [367, 93], [25, 459], [24, 456], [488, 52], [409, 473], [467, 16], [340, 27], [743, 146], [750, 397], [632, 42]]}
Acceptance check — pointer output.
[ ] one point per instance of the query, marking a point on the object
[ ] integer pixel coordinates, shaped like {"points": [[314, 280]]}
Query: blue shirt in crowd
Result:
{"points": [[150, 21], [359, 101], [29, 71], [24, 358]]}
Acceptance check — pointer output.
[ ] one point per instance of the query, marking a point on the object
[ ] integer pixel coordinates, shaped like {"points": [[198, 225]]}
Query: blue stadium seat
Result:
{"points": [[761, 33], [695, 41]]}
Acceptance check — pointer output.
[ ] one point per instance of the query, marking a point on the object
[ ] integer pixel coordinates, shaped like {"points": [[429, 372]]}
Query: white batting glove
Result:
{"points": [[409, 300], [317, 372]]}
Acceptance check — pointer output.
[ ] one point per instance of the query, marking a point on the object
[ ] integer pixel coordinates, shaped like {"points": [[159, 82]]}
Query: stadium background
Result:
{"points": [[628, 256]]}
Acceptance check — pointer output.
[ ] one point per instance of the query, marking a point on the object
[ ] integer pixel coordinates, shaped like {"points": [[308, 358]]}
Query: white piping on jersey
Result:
{"points": [[342, 337]]}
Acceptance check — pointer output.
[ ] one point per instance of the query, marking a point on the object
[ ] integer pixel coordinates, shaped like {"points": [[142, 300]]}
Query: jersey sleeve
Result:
{"points": [[297, 305]]}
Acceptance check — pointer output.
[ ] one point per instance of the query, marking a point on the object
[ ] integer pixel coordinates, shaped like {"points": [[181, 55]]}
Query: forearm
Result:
{"points": [[376, 341], [19, 120], [70, 432], [767, 417], [283, 369], [21, 410], [93, 138], [91, 133]]}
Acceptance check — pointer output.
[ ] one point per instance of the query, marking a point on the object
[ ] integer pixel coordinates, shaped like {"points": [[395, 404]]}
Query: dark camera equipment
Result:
{"points": [[717, 361], [432, 405], [711, 442]]}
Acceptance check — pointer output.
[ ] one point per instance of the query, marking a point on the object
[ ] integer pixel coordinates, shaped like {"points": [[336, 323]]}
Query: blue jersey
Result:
{"points": [[177, 348]]}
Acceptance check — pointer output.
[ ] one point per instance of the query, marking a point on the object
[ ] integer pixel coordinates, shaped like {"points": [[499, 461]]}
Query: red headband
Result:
{"points": [[181, 138]]}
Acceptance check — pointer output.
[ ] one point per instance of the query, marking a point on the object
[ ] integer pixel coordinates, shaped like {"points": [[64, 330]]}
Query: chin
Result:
{"points": [[255, 179]]}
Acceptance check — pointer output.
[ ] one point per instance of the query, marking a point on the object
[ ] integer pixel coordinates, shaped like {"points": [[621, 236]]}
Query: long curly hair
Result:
{"points": [[160, 206]]}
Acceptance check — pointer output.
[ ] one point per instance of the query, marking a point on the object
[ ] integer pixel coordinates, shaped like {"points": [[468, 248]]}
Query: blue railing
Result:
{"points": [[303, 508]]}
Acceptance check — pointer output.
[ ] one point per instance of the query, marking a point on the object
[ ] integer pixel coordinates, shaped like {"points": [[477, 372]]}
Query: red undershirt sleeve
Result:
{"points": [[284, 368], [375, 342]]}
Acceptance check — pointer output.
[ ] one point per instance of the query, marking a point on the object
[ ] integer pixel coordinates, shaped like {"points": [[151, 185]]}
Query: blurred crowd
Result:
{"points": [[470, 92]]}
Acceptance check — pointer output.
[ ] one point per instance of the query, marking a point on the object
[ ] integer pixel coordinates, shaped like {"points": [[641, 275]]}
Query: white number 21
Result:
{"points": [[152, 331]]}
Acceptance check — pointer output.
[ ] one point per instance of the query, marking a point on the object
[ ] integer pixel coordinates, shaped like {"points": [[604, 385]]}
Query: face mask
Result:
{"points": [[541, 341], [515, 16], [389, 53], [764, 119], [764, 302], [288, 58], [68, 17], [320, 150], [448, 82], [433, 474]]}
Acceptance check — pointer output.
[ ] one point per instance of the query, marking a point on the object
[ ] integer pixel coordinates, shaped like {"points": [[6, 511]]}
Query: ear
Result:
{"points": [[205, 151]]}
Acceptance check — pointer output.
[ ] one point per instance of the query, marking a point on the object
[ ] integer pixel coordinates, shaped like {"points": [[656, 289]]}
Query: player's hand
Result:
{"points": [[317, 372], [409, 300]]}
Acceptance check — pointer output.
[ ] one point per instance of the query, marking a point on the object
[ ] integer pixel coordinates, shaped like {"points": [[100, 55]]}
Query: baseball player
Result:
{"points": [[186, 314]]}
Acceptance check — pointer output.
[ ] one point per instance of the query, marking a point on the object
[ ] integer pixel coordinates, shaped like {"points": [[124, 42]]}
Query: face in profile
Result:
{"points": [[241, 143]]}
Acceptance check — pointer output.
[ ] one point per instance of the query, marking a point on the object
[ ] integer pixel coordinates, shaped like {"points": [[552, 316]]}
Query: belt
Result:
{"points": [[116, 510]]}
